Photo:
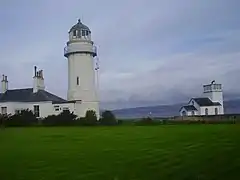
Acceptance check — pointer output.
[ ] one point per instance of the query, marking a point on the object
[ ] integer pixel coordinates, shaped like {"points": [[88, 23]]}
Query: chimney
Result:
{"points": [[38, 80], [35, 70], [4, 83], [41, 74]]}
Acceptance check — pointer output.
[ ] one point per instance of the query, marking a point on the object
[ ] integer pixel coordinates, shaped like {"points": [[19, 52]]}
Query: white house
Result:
{"points": [[210, 104], [82, 92]]}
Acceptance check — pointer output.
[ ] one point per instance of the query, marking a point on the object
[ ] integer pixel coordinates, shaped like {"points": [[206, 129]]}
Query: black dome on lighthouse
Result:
{"points": [[79, 26]]}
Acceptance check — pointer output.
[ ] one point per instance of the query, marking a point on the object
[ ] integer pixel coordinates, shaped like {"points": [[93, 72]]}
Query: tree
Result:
{"points": [[91, 117], [108, 118]]}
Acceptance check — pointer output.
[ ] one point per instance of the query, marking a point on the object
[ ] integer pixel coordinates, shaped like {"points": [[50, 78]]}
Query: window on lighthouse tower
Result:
{"points": [[75, 33], [83, 33], [78, 81]]}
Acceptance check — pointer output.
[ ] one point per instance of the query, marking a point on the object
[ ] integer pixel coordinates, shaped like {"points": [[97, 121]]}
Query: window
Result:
{"points": [[66, 109], [87, 33], [78, 81], [4, 110], [206, 111], [219, 86], [215, 86], [216, 111], [56, 108], [193, 113], [207, 88], [36, 110], [83, 33], [184, 113], [18, 111], [79, 34], [75, 33]]}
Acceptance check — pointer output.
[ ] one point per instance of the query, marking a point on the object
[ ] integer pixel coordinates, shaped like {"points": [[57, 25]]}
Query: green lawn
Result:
{"points": [[122, 153]]}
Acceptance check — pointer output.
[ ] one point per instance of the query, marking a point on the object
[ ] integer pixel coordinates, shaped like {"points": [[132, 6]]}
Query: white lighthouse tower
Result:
{"points": [[80, 51]]}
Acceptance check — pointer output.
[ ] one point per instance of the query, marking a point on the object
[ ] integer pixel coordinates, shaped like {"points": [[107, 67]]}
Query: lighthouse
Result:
{"points": [[81, 53]]}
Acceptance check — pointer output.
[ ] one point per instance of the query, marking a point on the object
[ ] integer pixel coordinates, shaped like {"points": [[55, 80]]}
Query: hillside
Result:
{"points": [[231, 106]]}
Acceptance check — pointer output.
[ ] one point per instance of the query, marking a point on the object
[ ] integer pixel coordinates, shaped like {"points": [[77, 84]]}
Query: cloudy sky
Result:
{"points": [[150, 51]]}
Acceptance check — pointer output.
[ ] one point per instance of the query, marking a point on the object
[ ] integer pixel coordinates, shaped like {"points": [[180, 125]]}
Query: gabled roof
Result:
{"points": [[27, 95], [205, 102], [189, 108]]}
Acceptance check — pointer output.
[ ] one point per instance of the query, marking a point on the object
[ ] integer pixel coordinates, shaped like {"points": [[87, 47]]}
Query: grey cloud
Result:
{"points": [[182, 77], [150, 51]]}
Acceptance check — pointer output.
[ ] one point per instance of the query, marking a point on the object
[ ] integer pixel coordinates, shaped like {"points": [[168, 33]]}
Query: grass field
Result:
{"points": [[122, 153]]}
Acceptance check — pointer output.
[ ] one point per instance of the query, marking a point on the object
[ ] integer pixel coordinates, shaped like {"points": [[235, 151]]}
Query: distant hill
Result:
{"points": [[231, 106]]}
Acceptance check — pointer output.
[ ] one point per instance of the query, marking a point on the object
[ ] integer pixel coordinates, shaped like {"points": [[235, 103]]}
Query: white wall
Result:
{"points": [[38, 83], [79, 46], [214, 96], [45, 108], [195, 104], [4, 86], [211, 110], [188, 113], [82, 108], [70, 106], [81, 66], [182, 112]]}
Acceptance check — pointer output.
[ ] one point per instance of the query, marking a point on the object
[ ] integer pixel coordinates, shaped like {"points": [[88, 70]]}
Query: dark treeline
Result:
{"points": [[27, 118]]}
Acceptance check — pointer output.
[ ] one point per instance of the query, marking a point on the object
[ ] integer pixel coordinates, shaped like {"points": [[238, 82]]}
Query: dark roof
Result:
{"points": [[27, 95], [189, 108], [206, 102], [79, 26]]}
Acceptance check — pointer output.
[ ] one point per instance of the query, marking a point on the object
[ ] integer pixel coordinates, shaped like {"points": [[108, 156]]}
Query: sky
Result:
{"points": [[150, 51]]}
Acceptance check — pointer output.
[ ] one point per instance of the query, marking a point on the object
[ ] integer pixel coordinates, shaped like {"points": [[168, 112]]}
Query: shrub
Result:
{"points": [[24, 118], [3, 118], [145, 121], [90, 118], [108, 118], [119, 122], [65, 118], [81, 121]]}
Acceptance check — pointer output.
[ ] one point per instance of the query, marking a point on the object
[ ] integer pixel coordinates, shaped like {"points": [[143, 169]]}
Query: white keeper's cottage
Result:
{"points": [[211, 103], [82, 92]]}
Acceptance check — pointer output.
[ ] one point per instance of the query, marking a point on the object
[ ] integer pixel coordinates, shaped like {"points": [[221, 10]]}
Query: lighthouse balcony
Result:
{"points": [[80, 48]]}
